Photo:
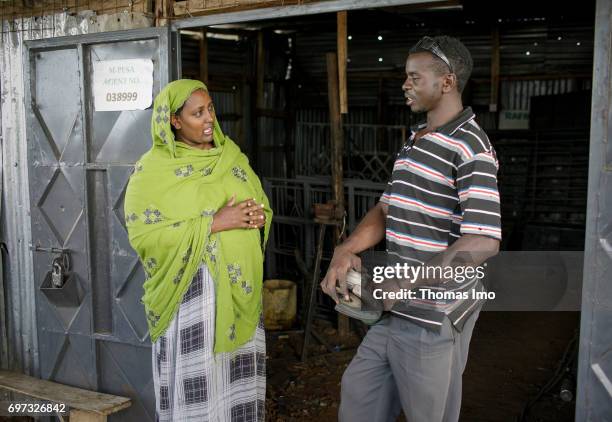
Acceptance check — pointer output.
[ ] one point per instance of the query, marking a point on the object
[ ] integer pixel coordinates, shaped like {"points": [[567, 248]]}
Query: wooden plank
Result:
{"points": [[337, 140], [164, 10], [180, 8], [168, 8], [16, 10], [342, 56], [203, 44], [336, 127], [91, 401], [159, 13], [495, 65], [204, 7], [77, 415]]}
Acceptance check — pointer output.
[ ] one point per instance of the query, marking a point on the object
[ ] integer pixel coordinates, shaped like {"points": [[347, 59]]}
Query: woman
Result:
{"points": [[193, 210]]}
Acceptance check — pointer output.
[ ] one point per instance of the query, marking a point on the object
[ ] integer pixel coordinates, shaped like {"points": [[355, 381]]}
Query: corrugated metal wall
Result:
{"points": [[539, 56], [230, 79], [529, 50], [516, 95], [16, 231]]}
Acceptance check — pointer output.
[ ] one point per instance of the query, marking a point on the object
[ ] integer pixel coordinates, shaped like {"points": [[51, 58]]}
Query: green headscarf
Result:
{"points": [[169, 206]]}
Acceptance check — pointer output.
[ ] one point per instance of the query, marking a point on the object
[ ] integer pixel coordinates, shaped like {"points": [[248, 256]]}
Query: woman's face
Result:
{"points": [[195, 123]]}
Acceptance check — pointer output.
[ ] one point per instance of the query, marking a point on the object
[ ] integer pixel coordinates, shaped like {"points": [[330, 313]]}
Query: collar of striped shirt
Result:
{"points": [[451, 127]]}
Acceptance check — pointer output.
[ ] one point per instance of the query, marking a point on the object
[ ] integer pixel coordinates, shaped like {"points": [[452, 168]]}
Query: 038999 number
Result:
{"points": [[121, 96]]}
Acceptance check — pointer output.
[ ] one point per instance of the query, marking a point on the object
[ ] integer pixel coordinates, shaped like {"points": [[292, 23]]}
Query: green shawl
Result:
{"points": [[169, 206]]}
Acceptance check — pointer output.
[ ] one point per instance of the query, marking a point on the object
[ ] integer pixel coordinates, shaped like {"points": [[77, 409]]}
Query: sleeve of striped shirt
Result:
{"points": [[384, 198], [479, 196]]}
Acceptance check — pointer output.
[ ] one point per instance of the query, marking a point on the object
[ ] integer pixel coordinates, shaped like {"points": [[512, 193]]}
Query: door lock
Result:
{"points": [[59, 267]]}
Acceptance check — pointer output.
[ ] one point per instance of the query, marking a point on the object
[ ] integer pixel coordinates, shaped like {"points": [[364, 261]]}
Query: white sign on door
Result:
{"points": [[123, 84]]}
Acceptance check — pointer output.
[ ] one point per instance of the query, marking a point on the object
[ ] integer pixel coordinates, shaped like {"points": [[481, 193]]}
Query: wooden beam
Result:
{"points": [[74, 398], [77, 415], [261, 57], [337, 146], [336, 128], [495, 64], [164, 10], [203, 43], [342, 56], [169, 8], [206, 7]]}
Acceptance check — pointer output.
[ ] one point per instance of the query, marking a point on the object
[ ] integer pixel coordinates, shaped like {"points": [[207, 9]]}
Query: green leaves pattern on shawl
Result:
{"points": [[169, 206]]}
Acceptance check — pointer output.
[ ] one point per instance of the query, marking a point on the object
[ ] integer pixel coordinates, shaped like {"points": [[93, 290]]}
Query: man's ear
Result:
{"points": [[449, 82]]}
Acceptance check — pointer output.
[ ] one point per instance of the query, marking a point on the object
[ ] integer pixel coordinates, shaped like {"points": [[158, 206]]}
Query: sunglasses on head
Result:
{"points": [[429, 44]]}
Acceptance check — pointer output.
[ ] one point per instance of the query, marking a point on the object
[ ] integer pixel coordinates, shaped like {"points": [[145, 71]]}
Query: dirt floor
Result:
{"points": [[512, 355]]}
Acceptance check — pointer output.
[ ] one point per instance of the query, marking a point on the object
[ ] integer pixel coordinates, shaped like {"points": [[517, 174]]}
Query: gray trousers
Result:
{"points": [[400, 365]]}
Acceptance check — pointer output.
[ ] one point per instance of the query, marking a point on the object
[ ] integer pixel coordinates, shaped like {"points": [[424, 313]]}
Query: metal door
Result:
{"points": [[92, 331], [594, 398]]}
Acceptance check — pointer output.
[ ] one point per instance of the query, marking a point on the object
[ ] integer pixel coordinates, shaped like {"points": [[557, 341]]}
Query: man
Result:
{"points": [[441, 206]]}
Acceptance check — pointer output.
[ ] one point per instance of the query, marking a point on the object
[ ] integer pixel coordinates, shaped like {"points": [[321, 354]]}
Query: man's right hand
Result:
{"points": [[342, 261]]}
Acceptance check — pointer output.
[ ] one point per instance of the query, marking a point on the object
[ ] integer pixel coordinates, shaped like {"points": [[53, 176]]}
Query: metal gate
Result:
{"points": [[92, 331], [594, 399]]}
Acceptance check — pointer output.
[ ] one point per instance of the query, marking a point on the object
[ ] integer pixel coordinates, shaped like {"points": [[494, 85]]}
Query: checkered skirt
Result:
{"points": [[194, 384]]}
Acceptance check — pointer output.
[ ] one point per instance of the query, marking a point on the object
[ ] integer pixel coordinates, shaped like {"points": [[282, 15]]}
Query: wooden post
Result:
{"points": [[494, 101], [261, 57], [337, 146], [342, 56], [335, 120], [164, 10], [204, 57], [169, 8]]}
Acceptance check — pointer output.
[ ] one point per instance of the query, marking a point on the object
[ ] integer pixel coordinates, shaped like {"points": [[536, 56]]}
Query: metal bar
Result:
{"points": [[24, 345], [49, 250], [260, 70], [594, 389], [351, 207], [290, 11], [313, 291], [127, 35], [203, 45], [495, 65], [176, 66], [356, 125]]}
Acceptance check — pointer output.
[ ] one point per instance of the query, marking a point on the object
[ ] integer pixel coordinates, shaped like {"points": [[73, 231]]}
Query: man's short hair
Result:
{"points": [[458, 56]]}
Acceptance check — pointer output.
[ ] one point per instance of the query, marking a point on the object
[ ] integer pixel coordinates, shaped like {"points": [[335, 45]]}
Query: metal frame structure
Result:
{"points": [[92, 333], [289, 11], [594, 384], [594, 401]]}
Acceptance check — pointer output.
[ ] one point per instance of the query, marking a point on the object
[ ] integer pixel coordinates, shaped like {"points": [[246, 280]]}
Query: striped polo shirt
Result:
{"points": [[443, 185]]}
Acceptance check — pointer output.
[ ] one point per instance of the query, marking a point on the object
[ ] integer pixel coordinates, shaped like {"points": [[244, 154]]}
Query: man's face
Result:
{"points": [[423, 87]]}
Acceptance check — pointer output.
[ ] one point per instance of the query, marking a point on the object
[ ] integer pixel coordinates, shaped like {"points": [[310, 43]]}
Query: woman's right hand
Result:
{"points": [[247, 214]]}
